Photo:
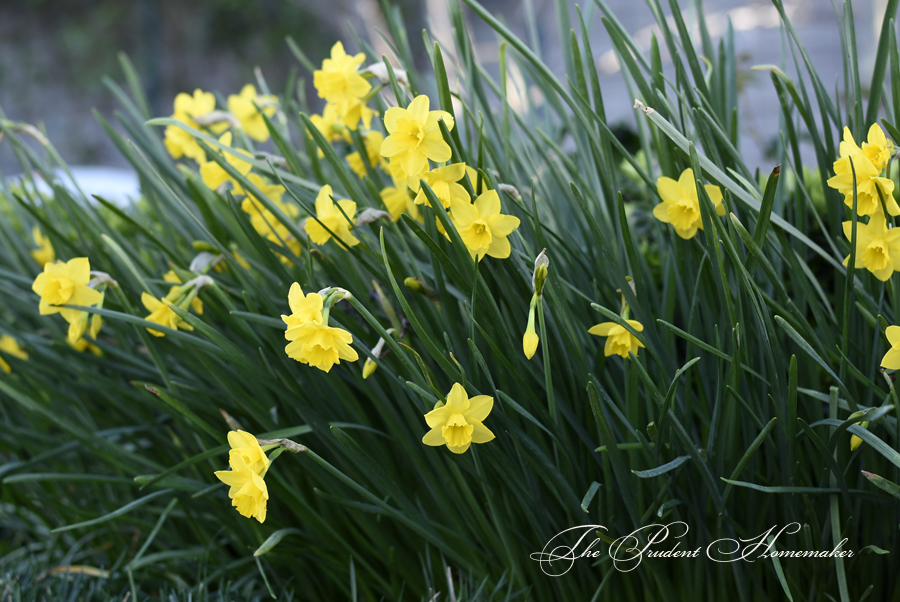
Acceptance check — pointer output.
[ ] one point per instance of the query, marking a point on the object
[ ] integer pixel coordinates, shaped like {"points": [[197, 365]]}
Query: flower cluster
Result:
{"points": [[249, 464], [312, 340], [877, 245]]}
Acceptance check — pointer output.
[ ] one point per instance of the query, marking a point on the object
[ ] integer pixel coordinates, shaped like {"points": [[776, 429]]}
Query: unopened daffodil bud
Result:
{"points": [[530, 340], [539, 276], [368, 368], [417, 286], [855, 441], [378, 350], [202, 245], [512, 191]]}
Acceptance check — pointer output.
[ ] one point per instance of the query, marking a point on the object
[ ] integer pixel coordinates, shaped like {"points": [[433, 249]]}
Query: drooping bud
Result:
{"points": [[530, 340]]}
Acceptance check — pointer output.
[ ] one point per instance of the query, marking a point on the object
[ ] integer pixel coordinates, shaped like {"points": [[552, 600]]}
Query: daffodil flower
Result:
{"points": [[891, 359], [619, 341], [312, 340], [443, 181], [178, 142], [482, 227], [172, 278], [357, 112], [251, 120], [248, 491], [877, 149], [332, 218], [339, 81], [868, 163], [317, 344], [372, 142], [66, 284], [397, 200], [330, 125], [161, 313], [214, 175], [83, 344], [680, 205], [44, 253], [264, 221], [460, 422], [304, 308], [415, 138], [11, 346], [877, 247], [246, 445]]}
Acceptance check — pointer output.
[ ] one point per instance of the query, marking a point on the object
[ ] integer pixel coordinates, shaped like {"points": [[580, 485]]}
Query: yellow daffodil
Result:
{"points": [[312, 340], [319, 345], [868, 163], [66, 284], [246, 445], [172, 278], [482, 227], [680, 205], [460, 422], [265, 222], [877, 247], [44, 253], [619, 341], [397, 200], [214, 175], [161, 313], [357, 112], [891, 359], [330, 125], [304, 308], [443, 182], [415, 138], [372, 141], [11, 346], [248, 490], [78, 327], [868, 184], [339, 81], [178, 142], [331, 217], [81, 344], [878, 149], [252, 122]]}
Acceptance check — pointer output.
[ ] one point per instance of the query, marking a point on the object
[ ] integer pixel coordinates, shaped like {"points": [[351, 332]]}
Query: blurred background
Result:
{"points": [[53, 55]]}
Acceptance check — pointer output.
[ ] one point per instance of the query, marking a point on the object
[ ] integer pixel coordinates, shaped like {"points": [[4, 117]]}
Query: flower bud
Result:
{"points": [[530, 340], [417, 286], [855, 441], [541, 265], [368, 368]]}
